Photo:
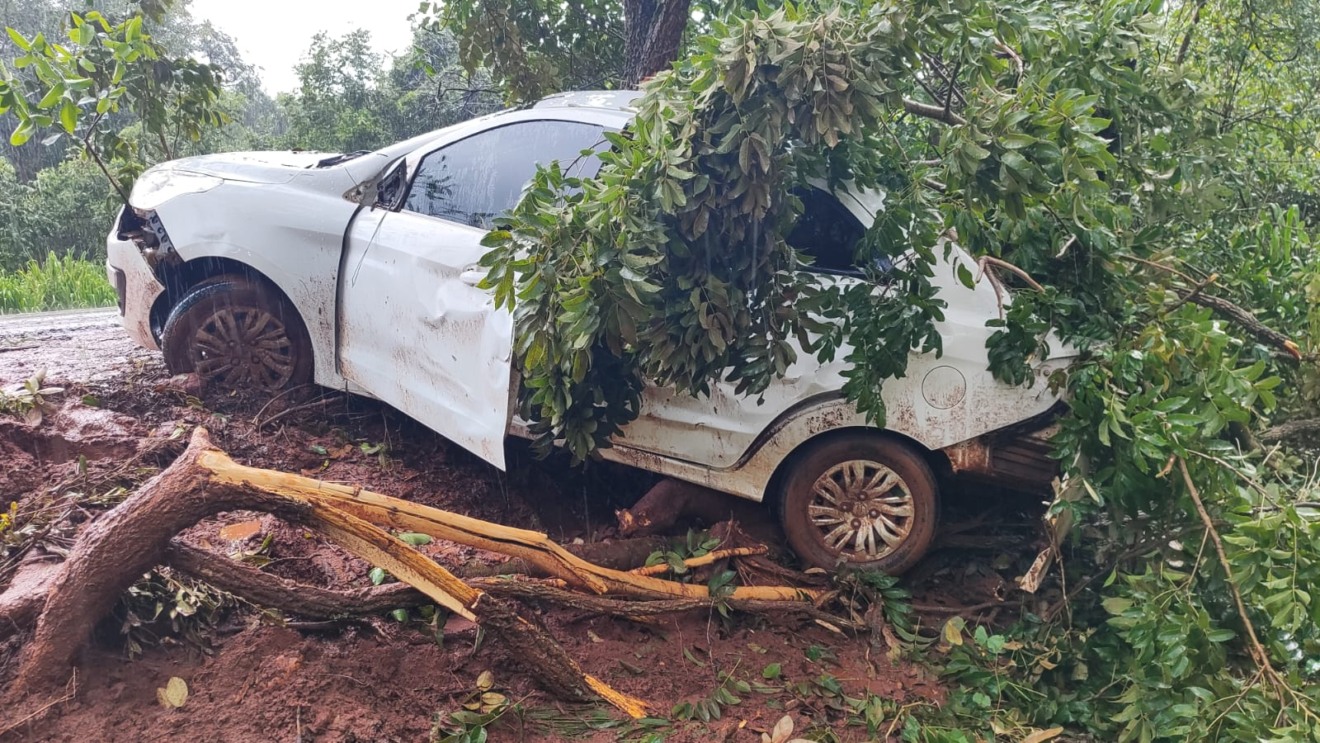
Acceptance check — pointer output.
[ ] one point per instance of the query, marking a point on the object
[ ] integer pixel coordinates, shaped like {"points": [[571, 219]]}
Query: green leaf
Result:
{"points": [[1116, 605], [19, 40], [52, 96], [69, 116], [22, 133]]}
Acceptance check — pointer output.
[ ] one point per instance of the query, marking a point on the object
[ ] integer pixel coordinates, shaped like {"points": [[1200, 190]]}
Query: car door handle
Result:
{"points": [[472, 275]]}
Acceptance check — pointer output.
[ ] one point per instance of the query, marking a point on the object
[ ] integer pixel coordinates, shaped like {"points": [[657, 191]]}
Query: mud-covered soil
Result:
{"points": [[257, 677]]}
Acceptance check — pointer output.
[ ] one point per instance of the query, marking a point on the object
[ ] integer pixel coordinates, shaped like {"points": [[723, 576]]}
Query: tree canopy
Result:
{"points": [[1143, 175]]}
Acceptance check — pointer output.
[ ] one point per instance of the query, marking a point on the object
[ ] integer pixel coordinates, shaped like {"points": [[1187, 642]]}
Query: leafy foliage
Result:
{"points": [[534, 48], [161, 606], [100, 69], [64, 210], [678, 272], [1097, 148]]}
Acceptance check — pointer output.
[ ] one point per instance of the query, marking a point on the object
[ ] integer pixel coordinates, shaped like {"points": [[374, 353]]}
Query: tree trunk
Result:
{"points": [[654, 32]]}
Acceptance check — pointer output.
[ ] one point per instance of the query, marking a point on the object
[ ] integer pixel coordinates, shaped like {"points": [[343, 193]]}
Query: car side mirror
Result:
{"points": [[391, 188]]}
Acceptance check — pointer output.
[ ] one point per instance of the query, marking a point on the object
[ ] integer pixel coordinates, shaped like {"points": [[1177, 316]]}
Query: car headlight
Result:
{"points": [[155, 187]]}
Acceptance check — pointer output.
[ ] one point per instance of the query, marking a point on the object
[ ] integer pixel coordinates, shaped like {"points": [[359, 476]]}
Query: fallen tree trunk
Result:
{"points": [[313, 602], [133, 537], [137, 535]]}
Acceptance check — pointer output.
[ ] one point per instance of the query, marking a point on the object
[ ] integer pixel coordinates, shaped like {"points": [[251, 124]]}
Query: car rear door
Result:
{"points": [[414, 329]]}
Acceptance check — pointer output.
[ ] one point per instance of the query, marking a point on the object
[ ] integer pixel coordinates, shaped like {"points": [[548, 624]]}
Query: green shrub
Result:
{"points": [[66, 209], [55, 284]]}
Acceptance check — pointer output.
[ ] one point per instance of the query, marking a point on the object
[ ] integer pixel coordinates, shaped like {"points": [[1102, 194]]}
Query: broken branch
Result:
{"points": [[1245, 320], [1258, 654], [532, 546], [133, 537], [120, 546], [930, 111], [706, 559], [989, 260]]}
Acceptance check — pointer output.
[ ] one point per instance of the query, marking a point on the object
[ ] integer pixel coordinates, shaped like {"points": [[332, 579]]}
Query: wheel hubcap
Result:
{"points": [[244, 347], [863, 510]]}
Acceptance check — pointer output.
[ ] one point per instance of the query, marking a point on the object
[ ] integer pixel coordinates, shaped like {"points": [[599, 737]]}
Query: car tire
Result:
{"points": [[859, 483], [238, 334]]}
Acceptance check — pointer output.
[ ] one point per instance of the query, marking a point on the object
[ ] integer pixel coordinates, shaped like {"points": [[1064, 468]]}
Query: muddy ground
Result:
{"points": [[253, 676]]}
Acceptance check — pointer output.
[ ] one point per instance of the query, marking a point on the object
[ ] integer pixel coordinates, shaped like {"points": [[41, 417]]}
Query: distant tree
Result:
{"points": [[65, 210], [345, 101], [338, 106], [536, 47], [431, 89]]}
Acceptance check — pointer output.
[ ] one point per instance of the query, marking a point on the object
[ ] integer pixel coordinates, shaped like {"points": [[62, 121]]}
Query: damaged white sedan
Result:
{"points": [[360, 272]]}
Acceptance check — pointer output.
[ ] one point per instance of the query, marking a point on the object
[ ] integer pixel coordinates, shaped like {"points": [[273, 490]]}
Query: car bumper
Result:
{"points": [[137, 287]]}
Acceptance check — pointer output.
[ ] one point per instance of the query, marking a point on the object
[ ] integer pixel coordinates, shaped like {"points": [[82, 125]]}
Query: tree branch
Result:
{"points": [[1245, 320], [1187, 37], [1298, 429], [936, 113]]}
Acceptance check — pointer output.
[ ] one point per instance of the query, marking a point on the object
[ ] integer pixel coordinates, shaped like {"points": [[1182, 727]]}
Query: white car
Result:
{"points": [[359, 272]]}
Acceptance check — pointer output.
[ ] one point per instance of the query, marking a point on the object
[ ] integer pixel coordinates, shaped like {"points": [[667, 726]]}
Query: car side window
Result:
{"points": [[476, 179], [827, 232]]}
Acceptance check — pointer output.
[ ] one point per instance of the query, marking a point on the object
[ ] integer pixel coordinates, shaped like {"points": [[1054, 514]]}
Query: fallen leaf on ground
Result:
{"points": [[241, 530], [174, 695]]}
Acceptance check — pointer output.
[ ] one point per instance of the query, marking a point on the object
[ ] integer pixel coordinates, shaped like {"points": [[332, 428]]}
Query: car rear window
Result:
{"points": [[827, 233]]}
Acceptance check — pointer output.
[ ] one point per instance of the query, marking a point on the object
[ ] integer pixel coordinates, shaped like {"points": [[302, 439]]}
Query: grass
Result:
{"points": [[55, 284]]}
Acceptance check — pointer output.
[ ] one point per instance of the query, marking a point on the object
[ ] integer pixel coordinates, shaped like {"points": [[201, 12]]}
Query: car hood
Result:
{"points": [[251, 167]]}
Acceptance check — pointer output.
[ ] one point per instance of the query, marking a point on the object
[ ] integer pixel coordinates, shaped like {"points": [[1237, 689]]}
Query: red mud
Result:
{"points": [[380, 680]]}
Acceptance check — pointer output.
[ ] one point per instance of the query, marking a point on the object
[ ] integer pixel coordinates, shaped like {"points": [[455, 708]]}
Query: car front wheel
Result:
{"points": [[238, 334], [862, 500]]}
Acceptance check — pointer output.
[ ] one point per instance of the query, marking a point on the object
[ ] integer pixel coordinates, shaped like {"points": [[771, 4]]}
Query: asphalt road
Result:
{"points": [[70, 345], [68, 320]]}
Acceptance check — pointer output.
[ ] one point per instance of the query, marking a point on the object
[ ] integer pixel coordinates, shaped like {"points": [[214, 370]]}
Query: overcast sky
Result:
{"points": [[273, 34]]}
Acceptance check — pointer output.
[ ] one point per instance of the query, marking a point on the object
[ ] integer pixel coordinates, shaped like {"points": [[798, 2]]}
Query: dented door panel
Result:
{"points": [[418, 334]]}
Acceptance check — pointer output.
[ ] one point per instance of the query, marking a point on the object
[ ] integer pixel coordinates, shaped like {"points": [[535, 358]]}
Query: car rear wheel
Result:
{"points": [[861, 500], [238, 334]]}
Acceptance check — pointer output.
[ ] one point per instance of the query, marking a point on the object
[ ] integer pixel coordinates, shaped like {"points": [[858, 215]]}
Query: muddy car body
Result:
{"points": [[360, 272]]}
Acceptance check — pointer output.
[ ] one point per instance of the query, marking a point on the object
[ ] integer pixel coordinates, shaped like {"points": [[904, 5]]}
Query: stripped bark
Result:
{"points": [[313, 602], [535, 547]]}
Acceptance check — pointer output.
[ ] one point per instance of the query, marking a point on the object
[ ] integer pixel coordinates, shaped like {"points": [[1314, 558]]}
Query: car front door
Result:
{"points": [[414, 329]]}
